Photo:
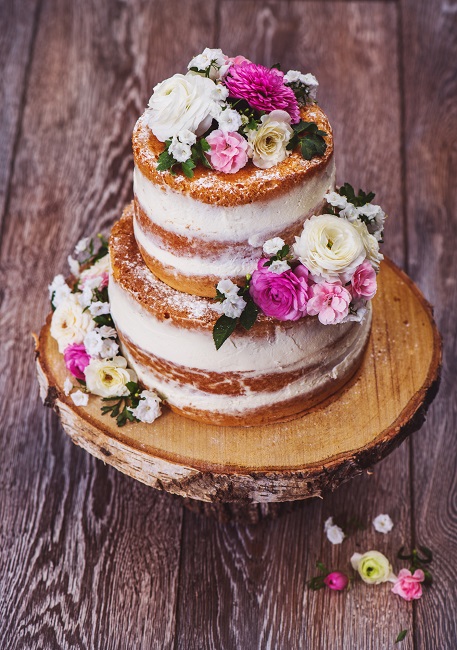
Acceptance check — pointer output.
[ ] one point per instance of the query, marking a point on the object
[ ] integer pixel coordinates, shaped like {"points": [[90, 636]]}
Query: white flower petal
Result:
{"points": [[79, 398]]}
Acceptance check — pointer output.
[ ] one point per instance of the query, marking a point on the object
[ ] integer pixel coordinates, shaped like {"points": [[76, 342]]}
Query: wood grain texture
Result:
{"points": [[430, 88], [88, 559]]}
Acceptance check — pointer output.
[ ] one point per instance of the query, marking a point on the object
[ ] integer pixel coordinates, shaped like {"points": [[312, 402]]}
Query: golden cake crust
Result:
{"points": [[245, 186]]}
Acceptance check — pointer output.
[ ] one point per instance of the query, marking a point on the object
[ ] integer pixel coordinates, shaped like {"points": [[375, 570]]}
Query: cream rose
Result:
{"points": [[181, 102], [267, 144], [108, 377], [370, 244], [373, 567], [330, 247], [70, 323]]}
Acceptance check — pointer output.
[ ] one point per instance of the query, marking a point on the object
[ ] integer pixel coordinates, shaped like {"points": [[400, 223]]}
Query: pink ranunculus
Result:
{"points": [[364, 281], [337, 580], [263, 88], [76, 359], [228, 151], [330, 302], [280, 295], [408, 585]]}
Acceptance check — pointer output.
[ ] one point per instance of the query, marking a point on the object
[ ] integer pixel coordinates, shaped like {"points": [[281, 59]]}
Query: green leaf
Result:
{"points": [[401, 636], [249, 314], [312, 145], [276, 65], [188, 167], [284, 252], [204, 144], [321, 567], [223, 327], [132, 386], [165, 161], [428, 554]]}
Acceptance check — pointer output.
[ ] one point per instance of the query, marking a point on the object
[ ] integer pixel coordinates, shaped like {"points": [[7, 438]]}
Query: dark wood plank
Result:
{"points": [[430, 90], [88, 558], [18, 23], [250, 582]]}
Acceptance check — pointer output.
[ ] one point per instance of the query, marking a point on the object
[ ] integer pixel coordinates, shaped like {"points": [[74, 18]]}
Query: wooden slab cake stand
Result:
{"points": [[248, 473]]}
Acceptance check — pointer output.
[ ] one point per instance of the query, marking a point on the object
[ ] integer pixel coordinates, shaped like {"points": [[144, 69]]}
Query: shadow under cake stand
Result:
{"points": [[240, 473]]}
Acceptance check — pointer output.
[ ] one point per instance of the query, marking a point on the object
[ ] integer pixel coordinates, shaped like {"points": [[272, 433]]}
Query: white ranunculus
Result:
{"points": [[272, 246], [70, 323], [209, 56], [181, 102], [330, 247], [267, 144], [108, 377], [373, 567], [383, 524], [370, 243], [148, 409]]}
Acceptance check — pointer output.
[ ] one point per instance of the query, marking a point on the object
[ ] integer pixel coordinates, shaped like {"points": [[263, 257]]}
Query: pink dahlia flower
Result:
{"points": [[228, 151], [337, 581], [330, 302], [76, 359], [283, 296], [408, 585], [263, 88], [364, 281]]}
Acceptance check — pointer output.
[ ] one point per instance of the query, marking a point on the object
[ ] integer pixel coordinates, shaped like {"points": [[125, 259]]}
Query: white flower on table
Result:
{"points": [[181, 102], [58, 290], [383, 524], [330, 247], [334, 533], [70, 323], [148, 409], [79, 398], [267, 144], [108, 377]]}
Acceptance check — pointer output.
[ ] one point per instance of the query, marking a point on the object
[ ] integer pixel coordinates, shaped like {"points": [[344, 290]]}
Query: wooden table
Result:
{"points": [[92, 559]]}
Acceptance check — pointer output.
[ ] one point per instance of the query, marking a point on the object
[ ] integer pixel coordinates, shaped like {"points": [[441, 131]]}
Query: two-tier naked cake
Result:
{"points": [[240, 278]]}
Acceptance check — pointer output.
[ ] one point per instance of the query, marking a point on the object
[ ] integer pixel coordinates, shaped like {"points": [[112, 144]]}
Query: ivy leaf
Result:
{"points": [[249, 314], [222, 329], [401, 636]]}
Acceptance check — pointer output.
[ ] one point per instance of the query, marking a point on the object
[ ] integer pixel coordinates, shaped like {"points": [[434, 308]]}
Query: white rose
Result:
{"points": [[267, 144], [272, 246], [181, 102], [330, 247], [70, 323], [370, 244], [148, 409], [108, 378]]}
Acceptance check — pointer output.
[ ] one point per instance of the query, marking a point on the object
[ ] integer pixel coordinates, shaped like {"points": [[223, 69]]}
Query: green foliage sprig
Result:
{"points": [[167, 162], [419, 559], [119, 408], [309, 138]]}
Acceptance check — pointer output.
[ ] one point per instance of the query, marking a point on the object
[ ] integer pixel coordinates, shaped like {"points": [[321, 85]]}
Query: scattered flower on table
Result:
{"points": [[334, 533], [373, 567], [383, 524], [148, 408], [336, 581], [408, 585], [79, 398]]}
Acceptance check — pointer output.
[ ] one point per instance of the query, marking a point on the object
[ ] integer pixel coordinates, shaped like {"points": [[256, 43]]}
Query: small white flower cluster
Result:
{"points": [[104, 371], [181, 143], [272, 247], [307, 81], [233, 305], [374, 213]]}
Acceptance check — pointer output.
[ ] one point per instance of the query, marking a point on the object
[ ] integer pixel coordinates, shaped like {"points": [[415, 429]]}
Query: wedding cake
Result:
{"points": [[240, 277]]}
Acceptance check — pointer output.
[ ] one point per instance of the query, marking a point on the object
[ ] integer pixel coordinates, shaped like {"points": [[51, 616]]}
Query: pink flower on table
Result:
{"points": [[263, 88], [337, 581], [364, 281], [76, 359], [228, 151], [330, 302], [408, 585], [283, 296]]}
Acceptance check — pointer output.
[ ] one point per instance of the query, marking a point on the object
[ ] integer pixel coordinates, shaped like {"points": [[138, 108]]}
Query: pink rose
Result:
{"points": [[408, 585], [228, 151], [364, 281], [337, 581], [280, 295], [76, 359], [330, 301]]}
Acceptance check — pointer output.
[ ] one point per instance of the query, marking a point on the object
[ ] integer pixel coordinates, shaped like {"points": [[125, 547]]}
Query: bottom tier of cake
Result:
{"points": [[276, 371]]}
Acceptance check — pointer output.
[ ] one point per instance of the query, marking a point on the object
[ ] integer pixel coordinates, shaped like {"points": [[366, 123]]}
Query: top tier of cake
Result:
{"points": [[192, 232]]}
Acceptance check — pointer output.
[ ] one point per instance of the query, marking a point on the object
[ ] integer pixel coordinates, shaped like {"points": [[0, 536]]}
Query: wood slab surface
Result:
{"points": [[90, 558]]}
